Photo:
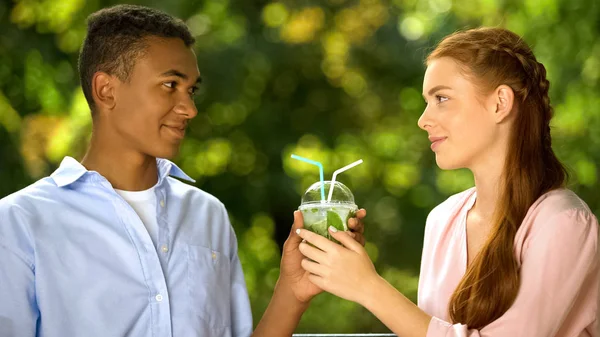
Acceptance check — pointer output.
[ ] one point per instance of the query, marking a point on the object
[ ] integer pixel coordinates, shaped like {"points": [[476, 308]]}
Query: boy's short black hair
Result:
{"points": [[115, 40]]}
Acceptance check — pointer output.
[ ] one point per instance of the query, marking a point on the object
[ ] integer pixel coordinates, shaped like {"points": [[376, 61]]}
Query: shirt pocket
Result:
{"points": [[209, 283]]}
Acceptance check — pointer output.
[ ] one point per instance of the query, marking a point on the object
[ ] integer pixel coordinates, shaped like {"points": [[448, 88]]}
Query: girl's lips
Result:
{"points": [[436, 141]]}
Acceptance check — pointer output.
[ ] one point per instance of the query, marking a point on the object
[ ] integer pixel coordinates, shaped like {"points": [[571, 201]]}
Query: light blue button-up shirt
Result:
{"points": [[76, 260]]}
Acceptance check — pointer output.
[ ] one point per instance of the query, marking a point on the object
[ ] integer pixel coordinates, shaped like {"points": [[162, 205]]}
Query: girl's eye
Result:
{"points": [[440, 99]]}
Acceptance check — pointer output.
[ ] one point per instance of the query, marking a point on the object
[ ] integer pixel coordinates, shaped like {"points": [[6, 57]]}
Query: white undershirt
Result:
{"points": [[144, 204]]}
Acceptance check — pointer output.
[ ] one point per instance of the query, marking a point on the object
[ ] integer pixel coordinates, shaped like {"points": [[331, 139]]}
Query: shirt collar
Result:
{"points": [[70, 170], [168, 168]]}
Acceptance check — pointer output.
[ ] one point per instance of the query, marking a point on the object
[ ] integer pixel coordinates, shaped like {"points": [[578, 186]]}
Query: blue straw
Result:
{"points": [[316, 163]]}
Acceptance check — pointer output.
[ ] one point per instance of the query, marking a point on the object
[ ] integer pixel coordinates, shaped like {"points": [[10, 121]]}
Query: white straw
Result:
{"points": [[347, 167]]}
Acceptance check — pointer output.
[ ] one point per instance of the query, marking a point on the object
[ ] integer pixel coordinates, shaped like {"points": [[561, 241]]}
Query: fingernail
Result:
{"points": [[298, 231], [333, 229]]}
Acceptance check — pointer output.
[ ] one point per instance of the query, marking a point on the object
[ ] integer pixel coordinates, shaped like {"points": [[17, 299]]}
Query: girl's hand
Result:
{"points": [[345, 271]]}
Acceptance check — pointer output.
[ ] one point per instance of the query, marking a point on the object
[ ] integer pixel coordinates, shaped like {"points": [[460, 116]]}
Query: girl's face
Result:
{"points": [[462, 125]]}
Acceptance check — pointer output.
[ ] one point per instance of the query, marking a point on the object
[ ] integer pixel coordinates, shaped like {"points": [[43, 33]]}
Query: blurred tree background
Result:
{"points": [[331, 80]]}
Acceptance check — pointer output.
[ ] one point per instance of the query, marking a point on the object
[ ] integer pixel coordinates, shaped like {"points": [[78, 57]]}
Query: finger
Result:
{"points": [[312, 267], [352, 222], [361, 213], [317, 280], [356, 225], [360, 226], [294, 240], [312, 253], [356, 236], [317, 240], [359, 238], [345, 239]]}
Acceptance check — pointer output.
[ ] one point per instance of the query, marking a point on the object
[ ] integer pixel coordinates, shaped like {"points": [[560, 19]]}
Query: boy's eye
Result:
{"points": [[171, 84]]}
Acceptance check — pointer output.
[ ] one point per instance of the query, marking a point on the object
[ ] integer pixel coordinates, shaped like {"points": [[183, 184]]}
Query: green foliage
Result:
{"points": [[334, 81]]}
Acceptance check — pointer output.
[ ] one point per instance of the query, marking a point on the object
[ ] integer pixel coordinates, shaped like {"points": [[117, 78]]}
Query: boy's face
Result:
{"points": [[152, 109]]}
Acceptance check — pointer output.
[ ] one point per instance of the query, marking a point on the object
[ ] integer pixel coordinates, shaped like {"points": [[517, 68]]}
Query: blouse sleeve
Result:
{"points": [[559, 263]]}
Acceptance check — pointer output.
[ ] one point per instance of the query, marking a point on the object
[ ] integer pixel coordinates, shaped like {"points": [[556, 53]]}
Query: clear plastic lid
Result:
{"points": [[341, 194]]}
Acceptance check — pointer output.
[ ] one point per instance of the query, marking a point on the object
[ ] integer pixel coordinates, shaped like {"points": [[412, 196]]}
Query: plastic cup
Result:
{"points": [[319, 215]]}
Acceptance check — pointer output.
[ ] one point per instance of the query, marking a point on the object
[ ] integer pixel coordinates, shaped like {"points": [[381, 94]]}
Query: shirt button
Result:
{"points": [[162, 203], [159, 298], [164, 248], [214, 255]]}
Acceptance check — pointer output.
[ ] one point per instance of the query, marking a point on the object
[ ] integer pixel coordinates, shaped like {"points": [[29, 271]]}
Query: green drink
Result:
{"points": [[319, 215]]}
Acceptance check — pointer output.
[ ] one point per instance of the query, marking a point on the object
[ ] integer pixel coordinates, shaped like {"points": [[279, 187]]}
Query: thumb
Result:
{"points": [[345, 239]]}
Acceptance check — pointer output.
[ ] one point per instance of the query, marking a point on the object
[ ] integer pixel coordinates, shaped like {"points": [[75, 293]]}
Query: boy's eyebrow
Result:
{"points": [[173, 72]]}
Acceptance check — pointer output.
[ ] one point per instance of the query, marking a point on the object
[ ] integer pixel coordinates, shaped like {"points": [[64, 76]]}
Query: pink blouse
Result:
{"points": [[557, 251]]}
